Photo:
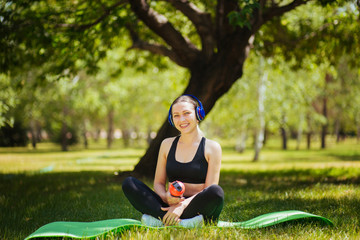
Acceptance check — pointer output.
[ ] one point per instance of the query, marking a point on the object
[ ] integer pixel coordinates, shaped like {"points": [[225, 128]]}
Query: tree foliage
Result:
{"points": [[212, 40], [329, 31], [58, 32]]}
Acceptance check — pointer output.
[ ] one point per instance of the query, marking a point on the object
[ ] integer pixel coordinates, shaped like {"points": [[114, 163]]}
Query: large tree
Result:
{"points": [[226, 33], [211, 39]]}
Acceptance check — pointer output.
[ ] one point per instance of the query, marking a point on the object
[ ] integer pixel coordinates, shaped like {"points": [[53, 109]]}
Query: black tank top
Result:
{"points": [[190, 172]]}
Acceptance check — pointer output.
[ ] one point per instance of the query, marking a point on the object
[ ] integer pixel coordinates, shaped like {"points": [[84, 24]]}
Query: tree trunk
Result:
{"points": [[110, 132], [260, 129], [308, 140], [149, 136], [266, 135], [283, 133], [208, 82], [284, 138], [38, 132], [258, 144], [64, 130], [337, 130], [64, 140], [84, 134], [324, 127], [86, 142], [33, 133], [309, 131], [323, 136], [299, 132]]}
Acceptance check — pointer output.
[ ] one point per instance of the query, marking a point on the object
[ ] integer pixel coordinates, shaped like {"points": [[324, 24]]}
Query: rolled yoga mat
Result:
{"points": [[83, 230]]}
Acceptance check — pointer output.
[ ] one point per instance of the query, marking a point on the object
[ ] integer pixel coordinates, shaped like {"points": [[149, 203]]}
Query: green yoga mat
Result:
{"points": [[92, 229]]}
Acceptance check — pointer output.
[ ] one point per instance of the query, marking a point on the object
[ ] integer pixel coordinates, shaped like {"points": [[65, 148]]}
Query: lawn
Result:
{"points": [[47, 185]]}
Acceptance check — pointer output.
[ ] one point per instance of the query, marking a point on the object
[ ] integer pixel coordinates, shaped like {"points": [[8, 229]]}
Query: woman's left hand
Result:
{"points": [[172, 217], [173, 200]]}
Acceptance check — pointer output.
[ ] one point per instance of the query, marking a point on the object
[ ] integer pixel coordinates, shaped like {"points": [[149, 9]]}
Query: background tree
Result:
{"points": [[7, 99], [337, 35], [346, 100], [213, 41]]}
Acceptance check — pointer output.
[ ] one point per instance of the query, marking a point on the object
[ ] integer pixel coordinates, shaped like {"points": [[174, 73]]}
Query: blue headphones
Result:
{"points": [[200, 112]]}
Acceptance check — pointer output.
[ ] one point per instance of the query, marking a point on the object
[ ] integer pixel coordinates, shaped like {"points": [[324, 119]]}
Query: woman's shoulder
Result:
{"points": [[167, 142], [213, 151], [165, 146], [212, 145]]}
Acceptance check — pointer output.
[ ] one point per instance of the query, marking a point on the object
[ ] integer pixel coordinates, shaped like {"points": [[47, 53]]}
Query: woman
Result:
{"points": [[189, 158]]}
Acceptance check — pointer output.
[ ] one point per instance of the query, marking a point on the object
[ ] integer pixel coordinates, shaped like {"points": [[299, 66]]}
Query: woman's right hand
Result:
{"points": [[173, 200]]}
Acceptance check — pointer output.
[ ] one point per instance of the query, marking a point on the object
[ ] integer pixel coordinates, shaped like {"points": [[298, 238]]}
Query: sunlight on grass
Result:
{"points": [[46, 185], [48, 157], [83, 160], [271, 157]]}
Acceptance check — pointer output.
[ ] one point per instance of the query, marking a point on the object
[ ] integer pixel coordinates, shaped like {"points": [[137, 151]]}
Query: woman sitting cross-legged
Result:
{"points": [[189, 158]]}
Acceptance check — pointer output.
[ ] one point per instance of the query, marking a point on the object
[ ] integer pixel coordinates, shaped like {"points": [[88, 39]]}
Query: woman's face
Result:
{"points": [[184, 117]]}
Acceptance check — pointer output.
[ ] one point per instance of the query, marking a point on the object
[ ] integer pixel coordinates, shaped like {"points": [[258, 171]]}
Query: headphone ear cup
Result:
{"points": [[198, 116], [170, 120], [200, 113]]}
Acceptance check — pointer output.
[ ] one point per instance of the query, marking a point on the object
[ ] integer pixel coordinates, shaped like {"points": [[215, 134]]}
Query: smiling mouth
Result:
{"points": [[184, 125]]}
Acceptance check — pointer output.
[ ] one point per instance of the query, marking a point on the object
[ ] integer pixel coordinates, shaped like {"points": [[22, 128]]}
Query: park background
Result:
{"points": [[86, 88]]}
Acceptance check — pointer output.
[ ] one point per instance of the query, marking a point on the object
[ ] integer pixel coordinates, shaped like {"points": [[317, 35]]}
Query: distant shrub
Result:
{"points": [[13, 136]]}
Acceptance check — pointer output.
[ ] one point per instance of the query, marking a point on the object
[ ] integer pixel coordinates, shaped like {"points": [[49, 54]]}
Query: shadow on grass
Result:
{"points": [[312, 191], [347, 157], [290, 177], [28, 202]]}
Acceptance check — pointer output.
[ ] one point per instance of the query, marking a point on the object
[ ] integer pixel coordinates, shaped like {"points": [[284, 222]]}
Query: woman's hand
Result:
{"points": [[173, 200], [172, 217]]}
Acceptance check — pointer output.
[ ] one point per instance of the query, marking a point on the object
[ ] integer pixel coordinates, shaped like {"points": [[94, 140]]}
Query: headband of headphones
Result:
{"points": [[200, 112]]}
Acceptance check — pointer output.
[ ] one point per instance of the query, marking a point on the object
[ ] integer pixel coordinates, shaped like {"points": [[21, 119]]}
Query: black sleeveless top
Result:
{"points": [[190, 172]]}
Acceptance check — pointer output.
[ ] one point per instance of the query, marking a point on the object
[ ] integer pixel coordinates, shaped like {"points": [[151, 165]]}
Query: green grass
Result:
{"points": [[46, 185]]}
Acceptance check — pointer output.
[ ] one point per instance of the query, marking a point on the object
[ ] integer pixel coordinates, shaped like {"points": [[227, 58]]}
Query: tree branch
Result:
{"points": [[257, 19], [278, 11], [223, 26], [159, 50], [202, 22], [158, 23], [153, 48], [107, 11]]}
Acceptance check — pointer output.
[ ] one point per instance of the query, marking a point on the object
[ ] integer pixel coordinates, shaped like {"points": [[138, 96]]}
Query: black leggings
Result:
{"points": [[208, 202]]}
